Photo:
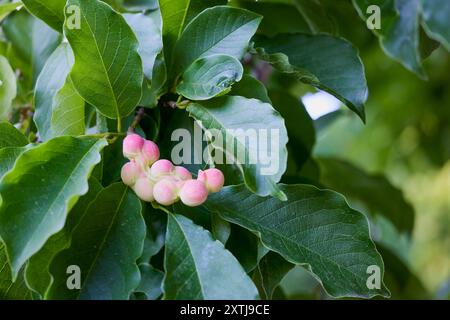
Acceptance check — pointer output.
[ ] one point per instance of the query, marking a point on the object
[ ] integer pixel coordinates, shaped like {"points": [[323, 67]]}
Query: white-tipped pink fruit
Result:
{"points": [[213, 179], [161, 168], [165, 192], [182, 173], [193, 193], [132, 146], [144, 189], [130, 173], [149, 153]]}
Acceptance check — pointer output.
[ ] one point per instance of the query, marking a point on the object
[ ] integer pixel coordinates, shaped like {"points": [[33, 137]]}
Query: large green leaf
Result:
{"points": [[108, 70], [271, 270], [315, 15], [326, 62], [49, 11], [32, 41], [199, 268], [43, 186], [151, 281], [238, 120], [59, 108], [10, 290], [375, 191], [37, 273], [229, 32], [315, 228], [399, 33], [209, 77], [435, 16], [301, 131], [176, 15], [148, 32], [10, 136], [105, 246], [8, 87]]}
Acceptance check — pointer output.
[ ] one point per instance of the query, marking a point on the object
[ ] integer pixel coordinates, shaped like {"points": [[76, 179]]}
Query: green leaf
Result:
{"points": [[262, 162], [271, 25], [10, 136], [37, 272], [49, 11], [315, 228], [333, 63], [209, 77], [220, 229], [375, 191], [176, 15], [32, 41], [8, 87], [199, 268], [8, 157], [314, 14], [68, 112], [49, 85], [151, 281], [271, 270], [229, 32], [399, 33], [105, 246], [244, 246], [10, 290], [301, 132], [148, 32], [435, 14], [44, 185], [106, 49], [250, 88], [7, 8]]}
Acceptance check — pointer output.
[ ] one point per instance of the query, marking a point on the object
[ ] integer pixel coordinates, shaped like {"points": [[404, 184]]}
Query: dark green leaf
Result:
{"points": [[44, 185], [375, 191], [49, 11], [37, 271], [251, 88], [209, 77], [10, 136], [199, 268], [229, 32], [106, 49], [8, 157], [333, 62], [435, 15], [315, 228], [151, 281]]}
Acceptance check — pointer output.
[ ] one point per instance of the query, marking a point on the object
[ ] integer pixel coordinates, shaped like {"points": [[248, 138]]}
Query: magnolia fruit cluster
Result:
{"points": [[159, 180]]}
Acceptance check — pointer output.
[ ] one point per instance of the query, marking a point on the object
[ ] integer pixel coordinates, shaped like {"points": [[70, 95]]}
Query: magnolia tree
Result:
{"points": [[152, 150]]}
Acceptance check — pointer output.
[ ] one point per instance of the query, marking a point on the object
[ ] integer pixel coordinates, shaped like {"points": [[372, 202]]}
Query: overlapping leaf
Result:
{"points": [[315, 228], [108, 70], [199, 268], [44, 185]]}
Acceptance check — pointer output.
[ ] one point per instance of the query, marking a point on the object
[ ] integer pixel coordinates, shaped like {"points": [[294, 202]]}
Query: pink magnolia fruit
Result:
{"points": [[130, 173], [165, 192], [149, 153], [213, 179], [132, 146], [161, 168], [193, 193], [144, 189], [182, 173]]}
